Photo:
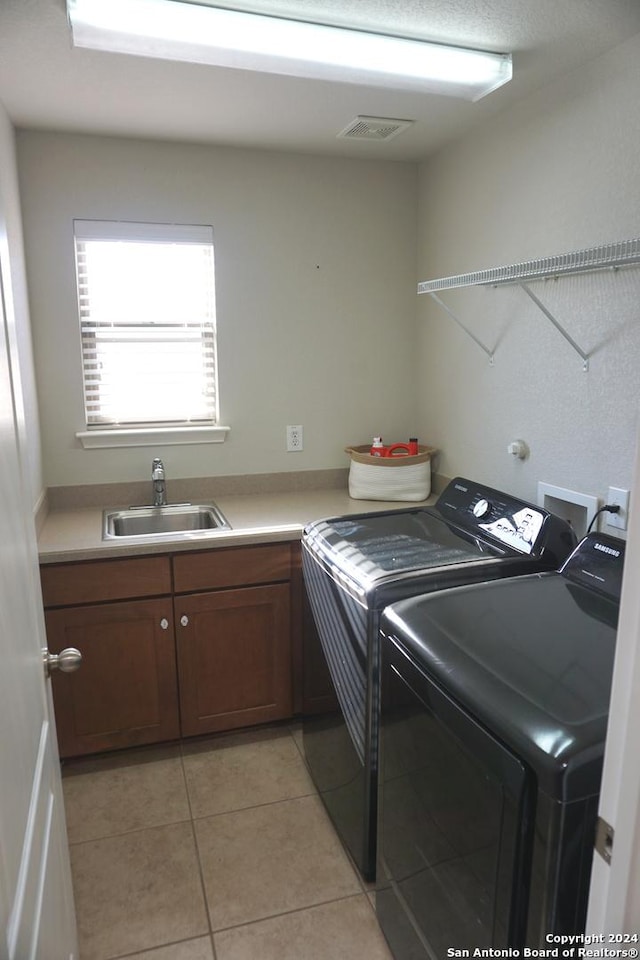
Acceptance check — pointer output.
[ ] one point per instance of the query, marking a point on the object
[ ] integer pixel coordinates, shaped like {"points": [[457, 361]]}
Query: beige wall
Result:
{"points": [[557, 174], [14, 294], [316, 291], [315, 263]]}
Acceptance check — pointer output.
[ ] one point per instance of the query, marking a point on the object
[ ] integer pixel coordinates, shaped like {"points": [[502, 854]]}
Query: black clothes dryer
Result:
{"points": [[495, 702]]}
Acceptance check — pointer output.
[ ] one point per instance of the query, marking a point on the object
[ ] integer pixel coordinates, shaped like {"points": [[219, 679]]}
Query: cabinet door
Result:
{"points": [[125, 692], [234, 658]]}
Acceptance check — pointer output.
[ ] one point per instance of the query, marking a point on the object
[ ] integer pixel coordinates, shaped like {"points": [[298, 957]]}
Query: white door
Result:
{"points": [[614, 901], [36, 902]]}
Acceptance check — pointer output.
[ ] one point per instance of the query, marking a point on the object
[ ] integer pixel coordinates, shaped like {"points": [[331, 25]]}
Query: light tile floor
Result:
{"points": [[213, 850]]}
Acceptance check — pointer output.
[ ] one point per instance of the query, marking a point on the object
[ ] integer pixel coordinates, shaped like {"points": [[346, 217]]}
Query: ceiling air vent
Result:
{"points": [[374, 128]]}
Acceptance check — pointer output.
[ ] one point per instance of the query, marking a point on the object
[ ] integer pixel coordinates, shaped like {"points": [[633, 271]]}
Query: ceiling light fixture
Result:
{"points": [[199, 33]]}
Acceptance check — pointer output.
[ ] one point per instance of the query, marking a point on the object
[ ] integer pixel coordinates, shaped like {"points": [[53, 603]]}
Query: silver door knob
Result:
{"points": [[184, 620], [164, 623], [67, 660]]}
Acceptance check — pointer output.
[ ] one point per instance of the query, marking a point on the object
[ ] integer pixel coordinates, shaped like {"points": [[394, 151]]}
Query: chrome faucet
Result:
{"points": [[159, 490]]}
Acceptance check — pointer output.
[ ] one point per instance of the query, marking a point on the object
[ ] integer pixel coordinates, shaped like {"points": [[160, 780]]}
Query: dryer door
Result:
{"points": [[454, 829]]}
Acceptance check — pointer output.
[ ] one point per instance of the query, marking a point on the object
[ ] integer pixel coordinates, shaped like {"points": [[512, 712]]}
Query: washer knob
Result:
{"points": [[481, 509]]}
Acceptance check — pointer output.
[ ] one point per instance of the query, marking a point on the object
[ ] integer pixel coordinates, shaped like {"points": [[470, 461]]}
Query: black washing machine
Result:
{"points": [[495, 702], [353, 567]]}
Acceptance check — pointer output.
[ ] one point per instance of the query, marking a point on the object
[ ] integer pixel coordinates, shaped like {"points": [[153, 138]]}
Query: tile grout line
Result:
{"points": [[288, 913], [160, 946], [198, 857], [253, 806], [128, 833], [190, 819]]}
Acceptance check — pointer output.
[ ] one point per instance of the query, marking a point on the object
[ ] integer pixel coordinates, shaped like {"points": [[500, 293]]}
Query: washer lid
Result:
{"points": [[531, 658], [374, 547], [470, 523]]}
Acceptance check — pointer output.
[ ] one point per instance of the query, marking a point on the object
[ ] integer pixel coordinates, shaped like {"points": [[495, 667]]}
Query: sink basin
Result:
{"points": [[159, 522]]}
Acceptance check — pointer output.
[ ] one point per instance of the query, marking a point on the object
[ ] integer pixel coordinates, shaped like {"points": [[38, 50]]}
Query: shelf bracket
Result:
{"points": [[457, 320], [624, 253], [557, 325]]}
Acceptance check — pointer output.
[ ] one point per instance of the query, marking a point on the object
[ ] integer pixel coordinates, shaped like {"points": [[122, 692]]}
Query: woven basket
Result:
{"points": [[405, 478]]}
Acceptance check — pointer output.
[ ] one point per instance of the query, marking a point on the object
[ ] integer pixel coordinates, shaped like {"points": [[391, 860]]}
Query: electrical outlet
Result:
{"points": [[294, 438], [621, 497]]}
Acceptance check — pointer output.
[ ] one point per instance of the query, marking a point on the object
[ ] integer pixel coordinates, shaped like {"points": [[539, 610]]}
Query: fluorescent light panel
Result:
{"points": [[172, 30]]}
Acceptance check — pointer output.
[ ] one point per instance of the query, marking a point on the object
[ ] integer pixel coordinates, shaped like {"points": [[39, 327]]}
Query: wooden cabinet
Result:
{"points": [[66, 584], [125, 693], [232, 567], [234, 640], [172, 645], [234, 658]]}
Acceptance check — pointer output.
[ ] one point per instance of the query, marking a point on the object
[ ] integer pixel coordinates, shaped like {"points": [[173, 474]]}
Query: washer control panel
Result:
{"points": [[513, 522]]}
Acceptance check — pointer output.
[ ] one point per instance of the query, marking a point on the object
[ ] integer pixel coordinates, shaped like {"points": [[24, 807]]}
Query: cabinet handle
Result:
{"points": [[184, 620], [164, 623]]}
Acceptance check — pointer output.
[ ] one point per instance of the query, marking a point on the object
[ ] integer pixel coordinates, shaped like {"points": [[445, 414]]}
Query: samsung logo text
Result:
{"points": [[609, 550]]}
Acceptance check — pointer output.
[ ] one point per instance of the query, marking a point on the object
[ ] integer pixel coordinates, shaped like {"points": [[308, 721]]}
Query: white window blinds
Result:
{"points": [[146, 295]]}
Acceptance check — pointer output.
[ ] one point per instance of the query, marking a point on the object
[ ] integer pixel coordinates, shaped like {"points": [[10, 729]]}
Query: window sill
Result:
{"points": [[150, 436]]}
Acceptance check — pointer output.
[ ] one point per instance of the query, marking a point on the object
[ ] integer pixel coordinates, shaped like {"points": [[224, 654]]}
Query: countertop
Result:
{"points": [[76, 534]]}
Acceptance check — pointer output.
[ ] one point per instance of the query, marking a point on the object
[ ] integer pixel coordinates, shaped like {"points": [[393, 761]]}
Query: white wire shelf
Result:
{"points": [[610, 256], [624, 253]]}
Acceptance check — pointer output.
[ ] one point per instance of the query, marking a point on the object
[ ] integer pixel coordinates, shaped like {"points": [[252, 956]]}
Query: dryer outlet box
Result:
{"points": [[578, 509]]}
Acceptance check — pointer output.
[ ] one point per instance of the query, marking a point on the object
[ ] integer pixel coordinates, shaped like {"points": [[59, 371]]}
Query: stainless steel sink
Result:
{"points": [[162, 522]]}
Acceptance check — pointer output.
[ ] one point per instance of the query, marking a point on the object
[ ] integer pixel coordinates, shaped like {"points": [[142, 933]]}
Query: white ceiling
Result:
{"points": [[46, 83]]}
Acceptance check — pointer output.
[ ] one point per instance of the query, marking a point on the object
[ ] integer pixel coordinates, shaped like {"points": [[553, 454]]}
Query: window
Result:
{"points": [[146, 295]]}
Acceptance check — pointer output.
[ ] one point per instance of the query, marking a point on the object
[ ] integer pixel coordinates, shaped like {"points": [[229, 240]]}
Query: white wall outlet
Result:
{"points": [[294, 438], [621, 497]]}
